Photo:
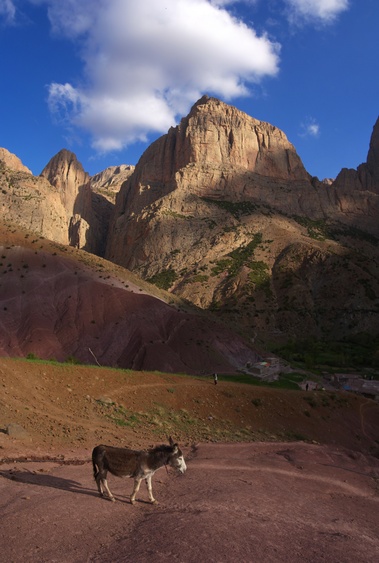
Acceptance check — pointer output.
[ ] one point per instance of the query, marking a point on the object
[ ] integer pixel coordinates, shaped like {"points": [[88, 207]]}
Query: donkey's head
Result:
{"points": [[176, 458]]}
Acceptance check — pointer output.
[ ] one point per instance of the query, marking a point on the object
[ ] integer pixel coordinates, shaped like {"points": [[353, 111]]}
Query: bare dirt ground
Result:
{"points": [[251, 493]]}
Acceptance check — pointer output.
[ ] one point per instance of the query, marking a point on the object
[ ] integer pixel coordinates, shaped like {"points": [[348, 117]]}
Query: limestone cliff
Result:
{"points": [[29, 201], [214, 210], [219, 153], [87, 213]]}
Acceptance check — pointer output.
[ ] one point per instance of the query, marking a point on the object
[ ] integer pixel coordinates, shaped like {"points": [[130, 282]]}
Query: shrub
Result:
{"points": [[164, 279], [257, 402], [32, 356]]}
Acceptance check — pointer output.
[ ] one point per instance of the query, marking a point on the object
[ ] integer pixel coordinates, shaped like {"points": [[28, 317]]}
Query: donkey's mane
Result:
{"points": [[163, 449]]}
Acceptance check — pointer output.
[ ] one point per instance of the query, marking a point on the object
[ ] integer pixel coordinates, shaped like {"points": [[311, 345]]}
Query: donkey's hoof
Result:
{"points": [[132, 501], [112, 499]]}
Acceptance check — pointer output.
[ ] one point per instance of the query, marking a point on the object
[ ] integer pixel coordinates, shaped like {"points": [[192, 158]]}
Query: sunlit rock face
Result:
{"points": [[30, 201], [221, 206]]}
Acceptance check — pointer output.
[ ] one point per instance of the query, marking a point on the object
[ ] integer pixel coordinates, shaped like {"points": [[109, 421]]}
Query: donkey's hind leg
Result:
{"points": [[105, 483], [102, 483], [99, 483], [137, 484], [100, 487]]}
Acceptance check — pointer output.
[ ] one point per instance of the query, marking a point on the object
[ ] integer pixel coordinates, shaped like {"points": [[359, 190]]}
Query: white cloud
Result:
{"points": [[7, 11], [309, 128], [147, 62], [324, 11]]}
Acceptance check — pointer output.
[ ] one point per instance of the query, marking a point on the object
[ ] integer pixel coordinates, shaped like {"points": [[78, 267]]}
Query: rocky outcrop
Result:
{"points": [[67, 175], [87, 213], [12, 161], [29, 201], [373, 157], [216, 151], [219, 154], [366, 177], [108, 182]]}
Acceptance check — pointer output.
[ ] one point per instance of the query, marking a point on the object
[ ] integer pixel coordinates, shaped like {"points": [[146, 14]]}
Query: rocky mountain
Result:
{"points": [[222, 212]]}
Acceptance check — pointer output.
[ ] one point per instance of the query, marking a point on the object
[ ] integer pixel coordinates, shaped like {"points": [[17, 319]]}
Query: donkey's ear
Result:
{"points": [[171, 441]]}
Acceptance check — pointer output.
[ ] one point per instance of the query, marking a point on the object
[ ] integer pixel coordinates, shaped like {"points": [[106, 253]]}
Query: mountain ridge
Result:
{"points": [[221, 212]]}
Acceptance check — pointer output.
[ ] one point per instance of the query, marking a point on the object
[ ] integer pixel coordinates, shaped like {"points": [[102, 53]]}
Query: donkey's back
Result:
{"points": [[121, 462]]}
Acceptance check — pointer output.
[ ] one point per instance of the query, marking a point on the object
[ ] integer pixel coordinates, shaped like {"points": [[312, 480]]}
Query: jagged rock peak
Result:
{"points": [[12, 161], [63, 167], [222, 135], [66, 173], [217, 136]]}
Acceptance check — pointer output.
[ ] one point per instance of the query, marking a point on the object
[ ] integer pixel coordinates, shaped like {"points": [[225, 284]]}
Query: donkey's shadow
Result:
{"points": [[50, 481]]}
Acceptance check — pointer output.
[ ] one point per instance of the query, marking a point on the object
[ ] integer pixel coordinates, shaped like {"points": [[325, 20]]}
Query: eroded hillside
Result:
{"points": [[58, 302]]}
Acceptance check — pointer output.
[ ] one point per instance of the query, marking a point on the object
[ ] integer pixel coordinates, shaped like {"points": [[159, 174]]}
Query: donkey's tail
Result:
{"points": [[96, 468]]}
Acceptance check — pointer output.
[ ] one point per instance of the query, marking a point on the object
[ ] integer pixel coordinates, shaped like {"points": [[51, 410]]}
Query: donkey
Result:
{"points": [[138, 464]]}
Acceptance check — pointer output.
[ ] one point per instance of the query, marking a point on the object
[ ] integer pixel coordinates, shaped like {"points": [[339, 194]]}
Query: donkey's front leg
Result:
{"points": [[137, 484], [150, 489]]}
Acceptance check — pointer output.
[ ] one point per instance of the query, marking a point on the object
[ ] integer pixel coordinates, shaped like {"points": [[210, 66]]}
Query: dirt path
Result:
{"points": [[237, 502]]}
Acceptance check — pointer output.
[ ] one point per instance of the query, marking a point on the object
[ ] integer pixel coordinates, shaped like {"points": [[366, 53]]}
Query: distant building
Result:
{"points": [[267, 370], [356, 384]]}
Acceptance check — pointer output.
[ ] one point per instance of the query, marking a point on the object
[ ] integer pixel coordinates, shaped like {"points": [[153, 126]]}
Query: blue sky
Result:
{"points": [[104, 78]]}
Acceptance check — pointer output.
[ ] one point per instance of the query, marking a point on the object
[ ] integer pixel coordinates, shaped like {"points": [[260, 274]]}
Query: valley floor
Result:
{"points": [[251, 493]]}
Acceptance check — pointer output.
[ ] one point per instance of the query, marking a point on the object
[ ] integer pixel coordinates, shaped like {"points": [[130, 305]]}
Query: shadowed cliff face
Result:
{"points": [[216, 207], [366, 177]]}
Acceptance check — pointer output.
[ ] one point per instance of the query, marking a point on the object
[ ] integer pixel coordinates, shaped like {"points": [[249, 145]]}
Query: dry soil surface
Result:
{"points": [[236, 502], [241, 499]]}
